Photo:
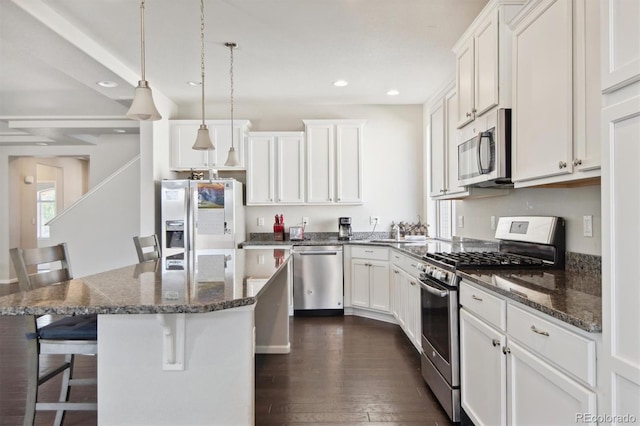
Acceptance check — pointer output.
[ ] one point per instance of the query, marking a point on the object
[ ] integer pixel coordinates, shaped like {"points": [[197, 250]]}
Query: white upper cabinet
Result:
{"points": [[275, 168], [183, 135], [483, 59], [556, 136], [621, 43], [334, 161], [444, 148]]}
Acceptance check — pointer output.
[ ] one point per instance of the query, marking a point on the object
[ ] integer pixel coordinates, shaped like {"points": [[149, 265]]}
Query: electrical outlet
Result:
{"points": [[587, 225], [374, 220], [460, 221], [261, 221], [493, 223], [305, 221]]}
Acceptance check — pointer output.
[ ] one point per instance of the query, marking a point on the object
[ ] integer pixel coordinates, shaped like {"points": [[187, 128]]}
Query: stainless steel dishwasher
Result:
{"points": [[318, 283]]}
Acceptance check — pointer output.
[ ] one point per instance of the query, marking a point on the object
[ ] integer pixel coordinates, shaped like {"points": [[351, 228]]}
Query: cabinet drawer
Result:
{"points": [[487, 306], [570, 351], [373, 253], [397, 258]]}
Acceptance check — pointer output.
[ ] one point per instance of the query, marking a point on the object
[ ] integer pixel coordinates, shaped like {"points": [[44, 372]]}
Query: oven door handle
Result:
{"points": [[433, 290]]}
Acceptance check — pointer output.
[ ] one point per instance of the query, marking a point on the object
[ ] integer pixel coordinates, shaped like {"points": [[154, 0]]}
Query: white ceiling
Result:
{"points": [[53, 52]]}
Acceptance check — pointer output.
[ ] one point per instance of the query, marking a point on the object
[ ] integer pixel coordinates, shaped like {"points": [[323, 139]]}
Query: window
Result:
{"points": [[445, 212], [46, 207]]}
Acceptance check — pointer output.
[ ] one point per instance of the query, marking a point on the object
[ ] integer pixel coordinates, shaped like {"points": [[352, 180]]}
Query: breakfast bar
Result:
{"points": [[177, 336]]}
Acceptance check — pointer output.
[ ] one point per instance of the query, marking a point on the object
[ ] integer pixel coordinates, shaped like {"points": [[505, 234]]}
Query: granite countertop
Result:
{"points": [[571, 296], [168, 285]]}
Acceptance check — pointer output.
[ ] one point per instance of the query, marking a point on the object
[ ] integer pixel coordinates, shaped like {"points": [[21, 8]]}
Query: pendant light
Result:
{"points": [[203, 141], [232, 158], [142, 108]]}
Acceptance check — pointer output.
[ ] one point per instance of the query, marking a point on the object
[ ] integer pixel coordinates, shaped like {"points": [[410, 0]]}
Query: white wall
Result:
{"points": [[570, 203], [111, 152], [392, 162]]}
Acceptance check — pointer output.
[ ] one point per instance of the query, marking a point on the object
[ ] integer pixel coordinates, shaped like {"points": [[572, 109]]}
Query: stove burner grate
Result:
{"points": [[486, 260]]}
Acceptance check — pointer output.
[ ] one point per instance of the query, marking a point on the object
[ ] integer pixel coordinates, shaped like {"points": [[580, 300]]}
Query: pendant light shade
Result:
{"points": [[142, 108], [232, 158], [203, 140]]}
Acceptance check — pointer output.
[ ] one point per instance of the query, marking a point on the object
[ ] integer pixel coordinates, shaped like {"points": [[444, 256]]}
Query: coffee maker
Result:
{"points": [[344, 228]]}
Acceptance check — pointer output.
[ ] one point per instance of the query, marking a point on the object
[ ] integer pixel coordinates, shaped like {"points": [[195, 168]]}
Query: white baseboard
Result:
{"points": [[10, 281], [273, 349]]}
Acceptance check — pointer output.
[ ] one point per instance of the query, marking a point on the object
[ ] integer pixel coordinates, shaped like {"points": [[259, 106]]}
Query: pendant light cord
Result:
{"points": [[142, 43], [202, 54], [231, 47]]}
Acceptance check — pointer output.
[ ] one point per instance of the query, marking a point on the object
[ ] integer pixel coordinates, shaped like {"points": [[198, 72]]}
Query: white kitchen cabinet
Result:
{"points": [[483, 371], [620, 213], [183, 135], [621, 43], [444, 149], [275, 168], [483, 59], [555, 96], [395, 293], [334, 161], [370, 278], [519, 366]]}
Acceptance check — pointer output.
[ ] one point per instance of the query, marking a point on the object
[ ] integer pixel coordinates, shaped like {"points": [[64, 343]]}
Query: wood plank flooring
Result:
{"points": [[341, 371]]}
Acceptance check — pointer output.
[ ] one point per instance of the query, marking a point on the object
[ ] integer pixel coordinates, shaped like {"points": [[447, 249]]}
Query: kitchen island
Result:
{"points": [[177, 336]]}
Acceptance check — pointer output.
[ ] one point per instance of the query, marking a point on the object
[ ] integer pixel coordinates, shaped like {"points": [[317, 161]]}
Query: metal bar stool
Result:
{"points": [[69, 336], [148, 248]]}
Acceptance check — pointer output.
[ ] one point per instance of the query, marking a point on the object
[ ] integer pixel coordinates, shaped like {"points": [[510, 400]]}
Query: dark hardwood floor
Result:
{"points": [[341, 371]]}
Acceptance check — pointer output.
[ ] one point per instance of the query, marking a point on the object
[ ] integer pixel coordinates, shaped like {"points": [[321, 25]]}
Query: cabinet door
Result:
{"points": [[394, 292], [543, 92], [360, 282], [486, 66], [620, 293], [320, 163], [621, 42], [538, 394], [451, 145], [221, 138], [415, 325], [183, 135], [465, 83], [260, 170], [348, 163], [482, 371], [438, 158], [379, 286], [290, 174]]}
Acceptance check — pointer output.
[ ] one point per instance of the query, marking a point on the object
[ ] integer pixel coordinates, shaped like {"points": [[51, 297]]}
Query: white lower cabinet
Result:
{"points": [[405, 300], [370, 278], [539, 374]]}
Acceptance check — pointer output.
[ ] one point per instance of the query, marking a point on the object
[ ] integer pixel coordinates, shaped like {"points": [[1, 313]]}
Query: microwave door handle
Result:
{"points": [[481, 137]]}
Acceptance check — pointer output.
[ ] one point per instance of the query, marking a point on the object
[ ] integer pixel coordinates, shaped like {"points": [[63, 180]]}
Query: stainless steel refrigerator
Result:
{"points": [[201, 214]]}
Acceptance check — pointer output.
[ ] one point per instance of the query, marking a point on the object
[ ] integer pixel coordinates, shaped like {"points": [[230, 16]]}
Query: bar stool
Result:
{"points": [[148, 248], [69, 336]]}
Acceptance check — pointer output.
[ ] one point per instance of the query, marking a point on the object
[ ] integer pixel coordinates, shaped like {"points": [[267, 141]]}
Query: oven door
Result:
{"points": [[439, 312]]}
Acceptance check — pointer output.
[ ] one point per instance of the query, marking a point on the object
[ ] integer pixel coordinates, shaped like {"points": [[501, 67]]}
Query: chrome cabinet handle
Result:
{"points": [[468, 114], [474, 297], [474, 110], [535, 330], [562, 164], [506, 350], [577, 162], [413, 283], [495, 342]]}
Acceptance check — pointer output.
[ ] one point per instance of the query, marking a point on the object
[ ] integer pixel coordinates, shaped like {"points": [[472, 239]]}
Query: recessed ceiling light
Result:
{"points": [[393, 92], [193, 83], [109, 84], [120, 130], [340, 83], [42, 143]]}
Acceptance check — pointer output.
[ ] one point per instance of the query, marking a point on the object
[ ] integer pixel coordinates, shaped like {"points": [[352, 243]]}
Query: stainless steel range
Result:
{"points": [[533, 242]]}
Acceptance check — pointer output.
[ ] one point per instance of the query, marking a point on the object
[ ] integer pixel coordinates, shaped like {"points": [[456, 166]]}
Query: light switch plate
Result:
{"points": [[460, 221], [587, 225]]}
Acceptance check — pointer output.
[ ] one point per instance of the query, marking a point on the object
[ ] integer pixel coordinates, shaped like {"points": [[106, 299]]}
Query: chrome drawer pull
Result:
{"points": [[535, 330], [495, 342], [474, 297], [506, 350]]}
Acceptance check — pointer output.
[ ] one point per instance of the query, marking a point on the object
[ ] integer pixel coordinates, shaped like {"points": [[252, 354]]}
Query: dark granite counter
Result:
{"points": [[213, 280], [570, 296]]}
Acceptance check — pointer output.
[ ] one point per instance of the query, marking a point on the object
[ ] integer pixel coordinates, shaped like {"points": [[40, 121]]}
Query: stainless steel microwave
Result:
{"points": [[485, 158]]}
